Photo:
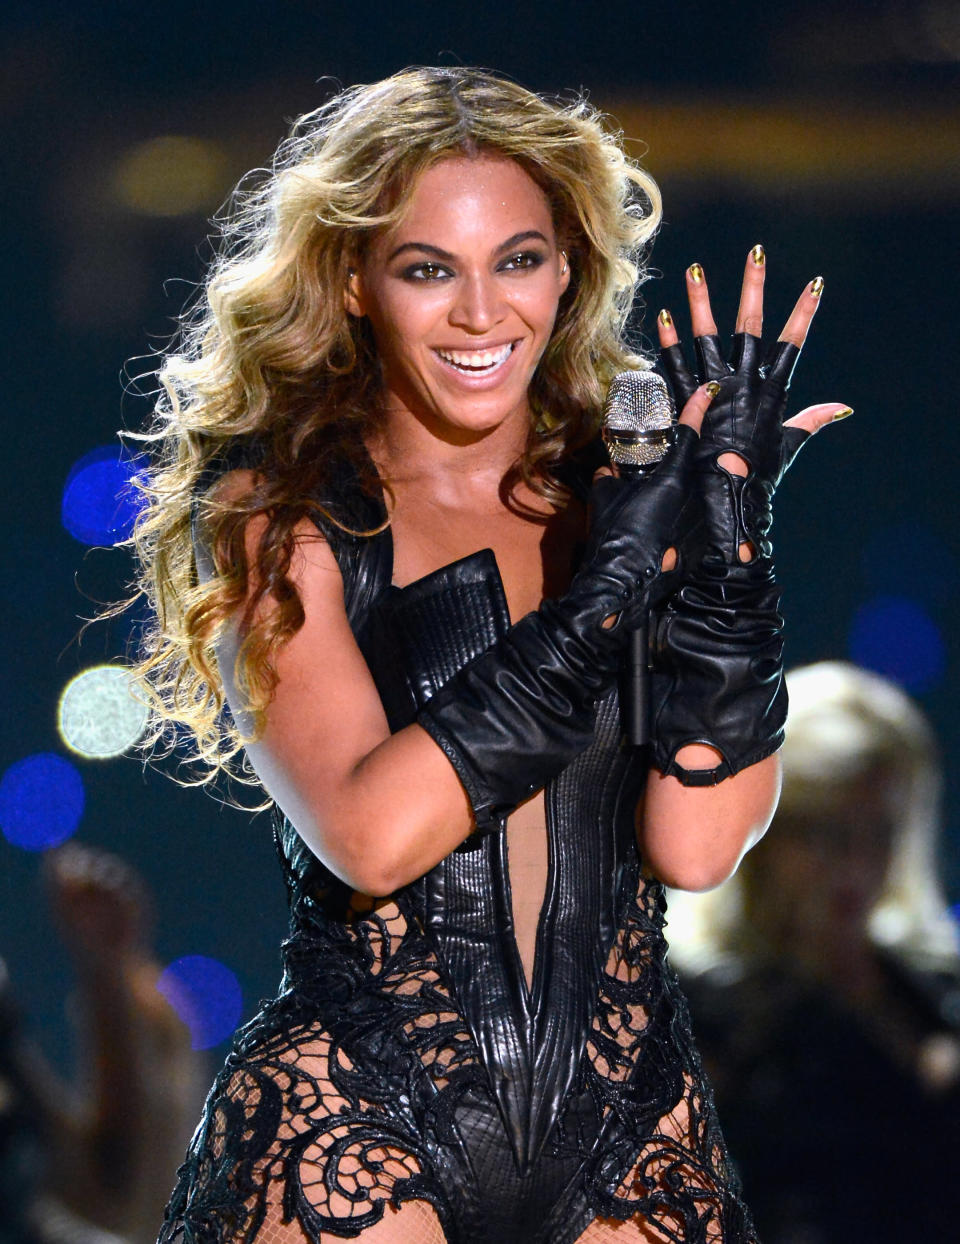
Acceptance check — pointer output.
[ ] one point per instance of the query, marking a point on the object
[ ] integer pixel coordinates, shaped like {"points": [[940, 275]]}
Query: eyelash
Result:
{"points": [[417, 271], [520, 261], [528, 260]]}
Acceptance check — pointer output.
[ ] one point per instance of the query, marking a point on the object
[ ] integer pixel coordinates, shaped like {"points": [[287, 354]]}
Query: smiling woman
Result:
{"points": [[461, 321], [366, 541]]}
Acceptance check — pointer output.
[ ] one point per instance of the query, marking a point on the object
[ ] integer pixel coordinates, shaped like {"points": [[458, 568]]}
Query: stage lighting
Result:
{"points": [[100, 713], [100, 500], [897, 637], [206, 995], [41, 801]]}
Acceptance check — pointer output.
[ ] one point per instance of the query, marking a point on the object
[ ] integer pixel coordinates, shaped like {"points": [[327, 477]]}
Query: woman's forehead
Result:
{"points": [[464, 195]]}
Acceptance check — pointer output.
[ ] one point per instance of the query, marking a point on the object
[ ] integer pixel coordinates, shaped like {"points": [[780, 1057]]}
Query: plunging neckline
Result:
{"points": [[486, 551], [537, 875]]}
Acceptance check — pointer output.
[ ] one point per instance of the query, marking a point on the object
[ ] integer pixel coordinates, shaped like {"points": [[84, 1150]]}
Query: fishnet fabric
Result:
{"points": [[413, 1221], [613, 1231]]}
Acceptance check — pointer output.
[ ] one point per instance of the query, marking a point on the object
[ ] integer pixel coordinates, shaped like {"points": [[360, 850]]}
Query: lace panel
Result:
{"points": [[661, 1161], [330, 1108], [338, 1105]]}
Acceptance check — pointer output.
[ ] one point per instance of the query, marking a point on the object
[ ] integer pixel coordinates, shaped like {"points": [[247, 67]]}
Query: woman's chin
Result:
{"points": [[465, 419]]}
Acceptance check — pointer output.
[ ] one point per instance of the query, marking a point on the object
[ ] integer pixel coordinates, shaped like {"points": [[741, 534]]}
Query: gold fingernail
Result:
{"points": [[696, 273], [816, 287], [712, 387], [759, 255], [842, 414], [665, 318]]}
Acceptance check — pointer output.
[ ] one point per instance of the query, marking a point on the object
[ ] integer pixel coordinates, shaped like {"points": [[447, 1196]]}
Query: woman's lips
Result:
{"points": [[476, 363]]}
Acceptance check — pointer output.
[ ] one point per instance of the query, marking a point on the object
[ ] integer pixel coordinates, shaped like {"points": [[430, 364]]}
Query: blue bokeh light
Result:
{"points": [[41, 801], [100, 503], [206, 995], [897, 637]]}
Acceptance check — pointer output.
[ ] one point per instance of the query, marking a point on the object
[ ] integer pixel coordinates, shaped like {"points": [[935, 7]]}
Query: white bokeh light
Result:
{"points": [[100, 712]]}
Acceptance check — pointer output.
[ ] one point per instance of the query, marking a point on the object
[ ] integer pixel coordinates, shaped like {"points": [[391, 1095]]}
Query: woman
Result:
{"points": [[825, 977], [382, 433]]}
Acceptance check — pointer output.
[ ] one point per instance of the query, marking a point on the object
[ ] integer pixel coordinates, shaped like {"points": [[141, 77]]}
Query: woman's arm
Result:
{"points": [[693, 837], [378, 809], [721, 641]]}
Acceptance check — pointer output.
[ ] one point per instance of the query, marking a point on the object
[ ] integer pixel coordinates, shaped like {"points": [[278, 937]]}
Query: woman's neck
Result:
{"points": [[406, 450]]}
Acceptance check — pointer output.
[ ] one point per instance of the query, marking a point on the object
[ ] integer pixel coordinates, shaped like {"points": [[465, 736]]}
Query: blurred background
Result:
{"points": [[829, 132]]}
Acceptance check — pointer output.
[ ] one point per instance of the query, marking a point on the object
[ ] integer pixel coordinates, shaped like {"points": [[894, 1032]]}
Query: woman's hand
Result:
{"points": [[745, 446]]}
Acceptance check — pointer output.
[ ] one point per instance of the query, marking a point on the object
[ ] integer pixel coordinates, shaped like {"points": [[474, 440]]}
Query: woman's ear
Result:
{"points": [[353, 294], [564, 273]]}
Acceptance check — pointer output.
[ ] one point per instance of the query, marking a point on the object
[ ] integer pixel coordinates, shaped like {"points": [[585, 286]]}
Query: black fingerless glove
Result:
{"points": [[718, 645], [718, 670], [515, 716]]}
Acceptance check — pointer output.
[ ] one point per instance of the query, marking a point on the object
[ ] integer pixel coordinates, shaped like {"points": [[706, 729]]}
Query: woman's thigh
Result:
{"points": [[415, 1222], [613, 1231]]}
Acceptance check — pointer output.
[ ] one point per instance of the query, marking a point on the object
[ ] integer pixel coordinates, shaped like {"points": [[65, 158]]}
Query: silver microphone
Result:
{"points": [[639, 421], [639, 426]]}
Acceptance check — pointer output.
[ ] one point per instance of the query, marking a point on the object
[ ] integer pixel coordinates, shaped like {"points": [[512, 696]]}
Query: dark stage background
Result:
{"points": [[831, 134]]}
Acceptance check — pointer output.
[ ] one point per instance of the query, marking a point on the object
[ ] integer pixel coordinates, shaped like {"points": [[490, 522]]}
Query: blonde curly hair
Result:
{"points": [[846, 726], [269, 357]]}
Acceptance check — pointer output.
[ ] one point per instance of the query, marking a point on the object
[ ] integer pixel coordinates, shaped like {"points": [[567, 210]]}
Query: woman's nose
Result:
{"points": [[479, 304]]}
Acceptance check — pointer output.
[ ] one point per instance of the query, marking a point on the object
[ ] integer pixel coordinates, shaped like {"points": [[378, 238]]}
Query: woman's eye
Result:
{"points": [[523, 259], [425, 271]]}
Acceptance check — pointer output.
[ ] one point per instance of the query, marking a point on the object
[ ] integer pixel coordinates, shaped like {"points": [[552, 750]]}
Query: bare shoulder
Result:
{"points": [[233, 486], [313, 559]]}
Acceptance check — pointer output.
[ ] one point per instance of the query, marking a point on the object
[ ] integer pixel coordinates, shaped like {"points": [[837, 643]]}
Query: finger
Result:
{"points": [[750, 311], [745, 356], [681, 378], [696, 407], [711, 364], [813, 418], [701, 316], [781, 364], [798, 325], [666, 330]]}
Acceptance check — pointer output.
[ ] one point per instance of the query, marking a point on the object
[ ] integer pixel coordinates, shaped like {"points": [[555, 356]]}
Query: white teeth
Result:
{"points": [[477, 360]]}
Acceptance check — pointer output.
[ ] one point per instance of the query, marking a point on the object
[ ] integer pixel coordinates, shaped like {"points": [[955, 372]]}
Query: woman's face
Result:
{"points": [[462, 296]]}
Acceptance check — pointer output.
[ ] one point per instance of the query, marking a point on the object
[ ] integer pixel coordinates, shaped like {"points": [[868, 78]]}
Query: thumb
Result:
{"points": [[813, 418], [696, 405]]}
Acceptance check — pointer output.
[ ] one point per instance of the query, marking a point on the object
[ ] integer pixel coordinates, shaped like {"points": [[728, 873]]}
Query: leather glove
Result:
{"points": [[516, 715], [718, 646], [746, 418]]}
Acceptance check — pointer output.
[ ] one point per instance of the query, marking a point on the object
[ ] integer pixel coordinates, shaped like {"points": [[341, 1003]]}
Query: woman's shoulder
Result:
{"points": [[338, 491], [232, 472]]}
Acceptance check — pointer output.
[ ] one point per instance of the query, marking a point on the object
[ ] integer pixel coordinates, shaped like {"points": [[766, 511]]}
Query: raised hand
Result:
{"points": [[718, 668], [746, 444], [100, 903]]}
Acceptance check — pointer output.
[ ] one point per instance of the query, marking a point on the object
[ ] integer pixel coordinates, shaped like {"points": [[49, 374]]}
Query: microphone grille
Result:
{"points": [[638, 419]]}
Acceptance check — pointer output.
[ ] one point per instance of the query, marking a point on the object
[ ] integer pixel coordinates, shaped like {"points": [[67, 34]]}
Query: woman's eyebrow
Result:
{"points": [[527, 235], [421, 246]]}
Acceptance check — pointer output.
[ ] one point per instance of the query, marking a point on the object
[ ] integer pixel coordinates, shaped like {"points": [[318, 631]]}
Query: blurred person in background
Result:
{"points": [[824, 979], [88, 1162]]}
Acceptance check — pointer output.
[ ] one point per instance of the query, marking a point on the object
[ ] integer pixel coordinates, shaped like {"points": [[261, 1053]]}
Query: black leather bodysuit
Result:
{"points": [[405, 1058]]}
